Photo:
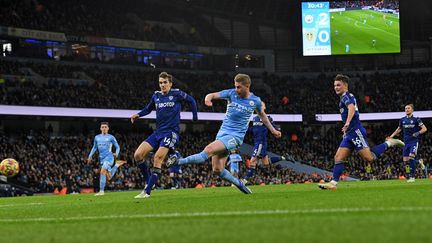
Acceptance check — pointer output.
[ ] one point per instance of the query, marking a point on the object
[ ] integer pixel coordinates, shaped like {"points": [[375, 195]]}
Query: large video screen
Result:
{"points": [[350, 27]]}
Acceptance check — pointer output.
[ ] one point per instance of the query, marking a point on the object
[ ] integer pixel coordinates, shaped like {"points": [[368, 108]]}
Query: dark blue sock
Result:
{"points": [[379, 149], [144, 170], [250, 173], [175, 182], [275, 159], [337, 170], [413, 167], [152, 180]]}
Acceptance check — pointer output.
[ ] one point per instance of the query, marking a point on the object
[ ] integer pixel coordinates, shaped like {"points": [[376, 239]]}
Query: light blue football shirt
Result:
{"points": [[238, 113], [103, 144]]}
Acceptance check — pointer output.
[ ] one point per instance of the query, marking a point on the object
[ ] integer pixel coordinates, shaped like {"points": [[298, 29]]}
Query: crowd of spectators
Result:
{"points": [[131, 88], [108, 19], [48, 162]]}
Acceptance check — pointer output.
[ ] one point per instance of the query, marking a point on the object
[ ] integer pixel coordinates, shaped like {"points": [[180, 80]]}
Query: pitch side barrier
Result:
{"points": [[296, 166], [373, 116], [119, 113]]}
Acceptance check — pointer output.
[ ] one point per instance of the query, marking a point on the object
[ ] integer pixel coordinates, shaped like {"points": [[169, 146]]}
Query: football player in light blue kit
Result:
{"points": [[412, 128], [103, 144], [241, 105], [354, 134], [167, 103]]}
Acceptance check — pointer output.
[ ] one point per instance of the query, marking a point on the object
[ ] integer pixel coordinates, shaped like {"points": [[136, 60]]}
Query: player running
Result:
{"points": [[260, 134], [167, 102], [354, 134], [241, 105], [412, 128], [103, 144]]}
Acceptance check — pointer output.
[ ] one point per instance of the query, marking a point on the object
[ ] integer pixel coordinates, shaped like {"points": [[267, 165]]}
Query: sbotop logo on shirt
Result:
{"points": [[165, 104]]}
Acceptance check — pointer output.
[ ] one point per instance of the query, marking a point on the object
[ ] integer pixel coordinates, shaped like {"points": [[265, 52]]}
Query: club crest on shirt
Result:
{"points": [[170, 98], [251, 103]]}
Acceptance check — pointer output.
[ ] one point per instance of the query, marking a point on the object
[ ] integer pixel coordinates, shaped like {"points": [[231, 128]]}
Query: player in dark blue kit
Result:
{"points": [[412, 128], [167, 103], [354, 134], [260, 134], [103, 144]]}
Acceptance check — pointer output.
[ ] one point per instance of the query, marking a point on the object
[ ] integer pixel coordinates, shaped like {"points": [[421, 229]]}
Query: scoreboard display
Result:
{"points": [[350, 27], [316, 28]]}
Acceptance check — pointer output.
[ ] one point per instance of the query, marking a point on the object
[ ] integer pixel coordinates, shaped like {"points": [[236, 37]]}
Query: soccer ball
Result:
{"points": [[9, 167]]}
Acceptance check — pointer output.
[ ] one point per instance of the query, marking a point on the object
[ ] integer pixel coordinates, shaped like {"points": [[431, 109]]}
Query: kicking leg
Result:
{"points": [[218, 165]]}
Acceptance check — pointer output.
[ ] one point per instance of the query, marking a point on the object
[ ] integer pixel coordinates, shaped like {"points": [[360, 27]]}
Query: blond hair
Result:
{"points": [[243, 79]]}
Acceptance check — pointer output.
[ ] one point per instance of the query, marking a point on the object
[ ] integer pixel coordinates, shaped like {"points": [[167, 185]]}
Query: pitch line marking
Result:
{"points": [[223, 213], [18, 205]]}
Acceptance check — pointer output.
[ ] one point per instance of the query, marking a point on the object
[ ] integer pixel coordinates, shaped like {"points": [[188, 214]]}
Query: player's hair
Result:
{"points": [[243, 79], [343, 78], [105, 123], [410, 104], [166, 75]]}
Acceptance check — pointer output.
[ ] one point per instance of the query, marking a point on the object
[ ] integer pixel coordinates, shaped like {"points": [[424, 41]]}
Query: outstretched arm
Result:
{"points": [[268, 124], [396, 132], [117, 146], [145, 111], [212, 96], [93, 151], [193, 103]]}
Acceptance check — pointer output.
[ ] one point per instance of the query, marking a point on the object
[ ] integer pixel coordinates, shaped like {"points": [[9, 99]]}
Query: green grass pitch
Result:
{"points": [[349, 28], [375, 211]]}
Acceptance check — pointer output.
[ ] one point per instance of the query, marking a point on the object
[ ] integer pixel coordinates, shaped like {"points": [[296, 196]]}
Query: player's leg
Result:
{"points": [[156, 170], [106, 164], [342, 153], [143, 150], [218, 166], [254, 160], [234, 169], [141, 154], [113, 170], [359, 140], [265, 161], [381, 148], [222, 144], [212, 149], [173, 180], [412, 161], [251, 170], [175, 176]]}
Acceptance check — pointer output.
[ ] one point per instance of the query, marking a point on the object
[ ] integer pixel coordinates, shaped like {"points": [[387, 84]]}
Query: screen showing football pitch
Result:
{"points": [[350, 27]]}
